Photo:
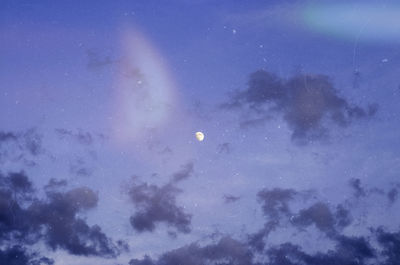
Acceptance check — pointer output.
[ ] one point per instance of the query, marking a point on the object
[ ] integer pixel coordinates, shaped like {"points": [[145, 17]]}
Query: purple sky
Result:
{"points": [[298, 102]]}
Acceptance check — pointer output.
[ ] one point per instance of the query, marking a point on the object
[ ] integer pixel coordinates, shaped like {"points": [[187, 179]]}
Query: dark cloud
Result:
{"points": [[157, 204], [390, 241], [323, 218], [358, 189], [185, 172], [147, 260], [256, 240], [18, 182], [393, 194], [257, 250], [14, 220], [308, 103], [17, 255], [123, 246], [54, 184], [224, 148], [229, 198], [55, 220], [20, 146], [275, 206], [318, 214], [343, 217], [65, 230], [348, 251], [276, 201], [7, 136], [227, 251]]}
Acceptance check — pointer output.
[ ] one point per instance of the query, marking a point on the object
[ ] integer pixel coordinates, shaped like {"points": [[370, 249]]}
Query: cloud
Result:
{"points": [[393, 195], [348, 250], [323, 218], [18, 182], [54, 184], [229, 198], [276, 201], [358, 190], [54, 220], [229, 251], [224, 148], [21, 146], [95, 61], [7, 136], [309, 104], [256, 240], [65, 230], [275, 204], [79, 167], [14, 220], [17, 255], [185, 172], [390, 241], [81, 137], [226, 251], [374, 246], [157, 204]]}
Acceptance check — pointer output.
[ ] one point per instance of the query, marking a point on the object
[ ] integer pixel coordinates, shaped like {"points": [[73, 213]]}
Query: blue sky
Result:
{"points": [[100, 102]]}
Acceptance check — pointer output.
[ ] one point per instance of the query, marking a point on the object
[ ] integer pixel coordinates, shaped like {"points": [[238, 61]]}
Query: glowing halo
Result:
{"points": [[144, 89]]}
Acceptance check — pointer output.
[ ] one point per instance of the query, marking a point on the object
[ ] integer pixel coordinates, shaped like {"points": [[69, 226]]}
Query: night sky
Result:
{"points": [[298, 101]]}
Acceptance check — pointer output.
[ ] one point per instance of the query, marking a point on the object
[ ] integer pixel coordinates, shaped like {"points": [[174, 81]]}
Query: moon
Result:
{"points": [[199, 136]]}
